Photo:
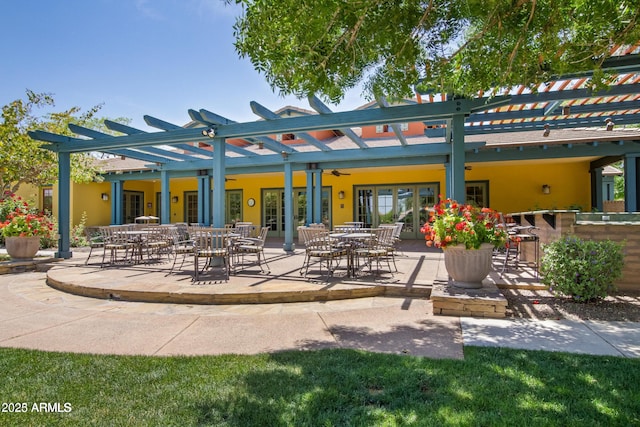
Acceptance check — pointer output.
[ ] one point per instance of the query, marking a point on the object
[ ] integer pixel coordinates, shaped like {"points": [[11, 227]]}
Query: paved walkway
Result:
{"points": [[36, 316]]}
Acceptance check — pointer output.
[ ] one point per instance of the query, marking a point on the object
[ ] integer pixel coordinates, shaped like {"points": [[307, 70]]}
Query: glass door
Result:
{"points": [[273, 213], [191, 207], [132, 206], [233, 206], [377, 205]]}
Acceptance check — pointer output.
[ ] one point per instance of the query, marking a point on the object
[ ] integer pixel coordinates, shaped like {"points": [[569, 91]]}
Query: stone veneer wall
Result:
{"points": [[618, 232], [596, 228]]}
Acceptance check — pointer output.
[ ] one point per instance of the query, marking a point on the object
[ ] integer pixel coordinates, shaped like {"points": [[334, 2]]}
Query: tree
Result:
{"points": [[23, 161], [461, 47]]}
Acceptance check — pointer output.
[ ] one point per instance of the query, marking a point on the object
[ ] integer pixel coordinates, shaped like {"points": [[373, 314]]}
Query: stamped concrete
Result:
{"points": [[36, 316]]}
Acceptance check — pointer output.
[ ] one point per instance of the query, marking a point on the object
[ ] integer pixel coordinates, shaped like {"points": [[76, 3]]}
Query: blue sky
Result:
{"points": [[137, 57]]}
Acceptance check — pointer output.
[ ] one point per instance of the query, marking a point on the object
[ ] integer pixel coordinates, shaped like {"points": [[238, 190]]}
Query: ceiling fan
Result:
{"points": [[336, 172]]}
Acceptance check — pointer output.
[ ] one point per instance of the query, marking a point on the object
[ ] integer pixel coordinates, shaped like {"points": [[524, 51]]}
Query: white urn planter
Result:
{"points": [[468, 267], [22, 248]]}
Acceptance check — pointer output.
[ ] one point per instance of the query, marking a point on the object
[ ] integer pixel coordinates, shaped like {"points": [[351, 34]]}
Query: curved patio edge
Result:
{"points": [[141, 284]]}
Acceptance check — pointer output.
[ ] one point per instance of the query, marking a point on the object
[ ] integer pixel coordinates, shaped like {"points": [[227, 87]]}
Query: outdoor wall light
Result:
{"points": [[546, 189], [285, 155], [547, 130], [210, 132], [340, 194], [174, 199], [104, 196]]}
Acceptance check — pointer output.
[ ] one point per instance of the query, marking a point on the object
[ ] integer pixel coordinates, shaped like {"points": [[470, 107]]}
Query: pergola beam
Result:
{"points": [[382, 102], [321, 108], [270, 143], [267, 114], [347, 157], [593, 121], [160, 124], [398, 114]]}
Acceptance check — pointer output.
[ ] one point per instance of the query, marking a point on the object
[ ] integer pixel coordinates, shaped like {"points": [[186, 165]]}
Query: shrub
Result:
{"points": [[78, 237], [582, 269]]}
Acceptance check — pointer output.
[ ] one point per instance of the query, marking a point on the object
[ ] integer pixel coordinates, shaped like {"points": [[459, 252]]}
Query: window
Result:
{"points": [[477, 193], [47, 199]]}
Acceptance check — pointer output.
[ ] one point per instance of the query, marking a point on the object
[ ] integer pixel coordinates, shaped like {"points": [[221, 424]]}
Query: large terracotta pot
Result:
{"points": [[20, 248], [468, 267]]}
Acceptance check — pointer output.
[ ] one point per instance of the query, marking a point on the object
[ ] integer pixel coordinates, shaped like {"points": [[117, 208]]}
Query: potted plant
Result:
{"points": [[467, 235], [22, 227]]}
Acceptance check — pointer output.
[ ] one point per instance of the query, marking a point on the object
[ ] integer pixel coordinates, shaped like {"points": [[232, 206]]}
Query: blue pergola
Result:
{"points": [[175, 151]]}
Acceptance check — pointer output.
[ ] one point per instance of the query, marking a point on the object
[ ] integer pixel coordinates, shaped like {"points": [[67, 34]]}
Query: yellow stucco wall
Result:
{"points": [[518, 187], [513, 187], [86, 199]]}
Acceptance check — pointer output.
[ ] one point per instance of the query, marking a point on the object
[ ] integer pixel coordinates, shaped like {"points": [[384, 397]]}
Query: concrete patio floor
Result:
{"points": [[35, 315]]}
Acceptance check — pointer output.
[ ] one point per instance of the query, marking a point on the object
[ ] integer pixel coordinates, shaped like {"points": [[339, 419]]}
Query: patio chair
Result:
{"points": [[116, 239], [211, 244], [181, 244], [320, 245], [374, 250], [244, 229], [157, 241], [95, 240], [252, 246], [392, 240]]}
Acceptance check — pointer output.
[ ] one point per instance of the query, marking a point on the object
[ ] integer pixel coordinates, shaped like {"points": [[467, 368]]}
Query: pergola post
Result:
{"points": [[457, 191], [64, 202], [116, 202], [309, 209], [204, 197], [447, 179], [288, 207], [631, 182], [597, 199], [219, 145], [317, 198], [165, 201]]}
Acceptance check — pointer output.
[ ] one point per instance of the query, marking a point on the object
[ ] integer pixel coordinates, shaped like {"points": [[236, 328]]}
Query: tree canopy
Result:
{"points": [[23, 161], [461, 47]]}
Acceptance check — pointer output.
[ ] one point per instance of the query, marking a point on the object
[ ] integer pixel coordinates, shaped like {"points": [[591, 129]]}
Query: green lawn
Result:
{"points": [[321, 388]]}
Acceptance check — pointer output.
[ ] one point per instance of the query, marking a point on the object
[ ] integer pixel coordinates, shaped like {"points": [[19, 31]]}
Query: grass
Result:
{"points": [[491, 387]]}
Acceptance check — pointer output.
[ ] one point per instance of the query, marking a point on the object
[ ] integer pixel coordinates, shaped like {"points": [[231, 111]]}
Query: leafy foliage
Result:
{"points": [[583, 269], [78, 237], [23, 161], [450, 46], [451, 223]]}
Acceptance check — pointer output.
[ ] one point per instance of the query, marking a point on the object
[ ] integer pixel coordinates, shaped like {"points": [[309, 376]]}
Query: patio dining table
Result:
{"points": [[139, 237], [351, 241]]}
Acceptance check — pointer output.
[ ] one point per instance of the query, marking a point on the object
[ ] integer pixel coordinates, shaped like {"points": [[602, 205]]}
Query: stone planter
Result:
{"points": [[22, 248], [468, 267]]}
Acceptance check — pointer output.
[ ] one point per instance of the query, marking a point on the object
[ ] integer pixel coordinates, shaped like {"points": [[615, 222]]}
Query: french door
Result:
{"points": [[375, 205], [273, 212], [132, 205]]}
